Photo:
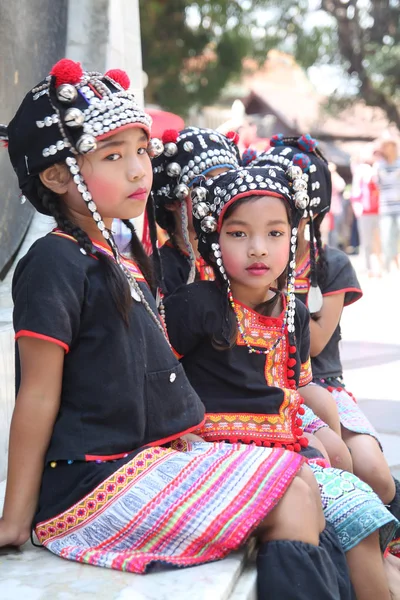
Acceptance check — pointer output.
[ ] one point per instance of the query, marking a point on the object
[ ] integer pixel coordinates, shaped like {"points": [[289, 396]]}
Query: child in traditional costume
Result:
{"points": [[101, 461], [326, 282], [237, 340], [187, 155]]}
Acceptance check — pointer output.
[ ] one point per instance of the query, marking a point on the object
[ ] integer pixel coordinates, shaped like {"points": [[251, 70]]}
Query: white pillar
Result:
{"points": [[124, 49]]}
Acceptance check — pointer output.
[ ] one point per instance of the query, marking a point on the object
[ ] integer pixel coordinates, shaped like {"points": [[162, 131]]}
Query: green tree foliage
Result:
{"points": [[192, 49]]}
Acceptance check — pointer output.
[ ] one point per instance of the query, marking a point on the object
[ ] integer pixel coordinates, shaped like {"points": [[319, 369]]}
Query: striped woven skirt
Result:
{"points": [[350, 414], [184, 505]]}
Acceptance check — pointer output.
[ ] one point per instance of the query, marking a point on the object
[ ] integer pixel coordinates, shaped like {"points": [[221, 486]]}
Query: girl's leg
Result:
{"points": [[301, 498], [292, 562], [338, 452], [367, 572], [369, 464], [322, 404]]}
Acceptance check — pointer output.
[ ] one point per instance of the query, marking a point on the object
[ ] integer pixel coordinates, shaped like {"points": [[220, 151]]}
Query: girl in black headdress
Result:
{"points": [[326, 282], [188, 155], [245, 345]]}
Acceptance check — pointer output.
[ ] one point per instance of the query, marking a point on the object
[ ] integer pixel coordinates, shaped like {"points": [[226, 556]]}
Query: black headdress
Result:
{"points": [[304, 152], [63, 117], [187, 156]]}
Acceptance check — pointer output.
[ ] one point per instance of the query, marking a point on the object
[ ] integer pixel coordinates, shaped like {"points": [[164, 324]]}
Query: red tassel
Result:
{"points": [[67, 71], [119, 76], [291, 362], [170, 135], [233, 136]]}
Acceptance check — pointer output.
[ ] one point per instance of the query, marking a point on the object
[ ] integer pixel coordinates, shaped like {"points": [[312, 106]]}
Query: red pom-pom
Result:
{"points": [[303, 442], [292, 384], [291, 362], [277, 445], [292, 349], [119, 76], [233, 136], [290, 447], [290, 373], [299, 422], [267, 444], [298, 432], [170, 135], [67, 71], [301, 410], [297, 447]]}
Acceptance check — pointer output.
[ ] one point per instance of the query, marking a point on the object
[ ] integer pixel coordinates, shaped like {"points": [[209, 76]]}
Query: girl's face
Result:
{"points": [[255, 244], [118, 175]]}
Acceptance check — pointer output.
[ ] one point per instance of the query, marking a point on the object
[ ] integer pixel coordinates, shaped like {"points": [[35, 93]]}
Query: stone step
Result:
{"points": [[35, 574]]}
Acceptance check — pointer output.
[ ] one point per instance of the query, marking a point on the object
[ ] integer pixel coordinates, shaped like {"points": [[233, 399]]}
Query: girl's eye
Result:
{"points": [[275, 233], [142, 151], [236, 234], [113, 157]]}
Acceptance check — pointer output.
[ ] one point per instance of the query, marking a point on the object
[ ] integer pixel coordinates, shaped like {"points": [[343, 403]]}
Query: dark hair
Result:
{"points": [[116, 281], [322, 264], [229, 330]]}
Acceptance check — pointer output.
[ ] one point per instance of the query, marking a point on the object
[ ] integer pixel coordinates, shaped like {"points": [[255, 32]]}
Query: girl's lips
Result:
{"points": [[257, 269], [140, 194]]}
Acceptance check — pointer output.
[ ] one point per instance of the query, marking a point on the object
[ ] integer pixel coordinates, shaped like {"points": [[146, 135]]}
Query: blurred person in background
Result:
{"points": [[365, 201], [336, 212], [388, 177]]}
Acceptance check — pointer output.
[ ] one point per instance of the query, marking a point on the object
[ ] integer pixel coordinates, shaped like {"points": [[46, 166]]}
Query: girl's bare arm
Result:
{"points": [[324, 323], [32, 424]]}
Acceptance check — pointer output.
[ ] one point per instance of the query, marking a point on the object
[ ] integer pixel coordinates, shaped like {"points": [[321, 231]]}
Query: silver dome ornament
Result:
{"points": [[188, 146], [181, 191], [170, 149], [155, 147], [201, 210], [299, 185], [301, 200], [67, 93], [86, 143], [209, 224], [199, 194], [74, 117], [173, 169], [294, 172]]}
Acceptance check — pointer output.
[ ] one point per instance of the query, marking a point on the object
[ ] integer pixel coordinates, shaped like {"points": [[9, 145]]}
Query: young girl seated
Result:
{"points": [[237, 338], [188, 155], [102, 464], [326, 282]]}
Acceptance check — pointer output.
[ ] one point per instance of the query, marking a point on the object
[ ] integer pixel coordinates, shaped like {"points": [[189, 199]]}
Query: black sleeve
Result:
{"points": [[341, 277], [302, 327], [48, 291], [193, 313]]}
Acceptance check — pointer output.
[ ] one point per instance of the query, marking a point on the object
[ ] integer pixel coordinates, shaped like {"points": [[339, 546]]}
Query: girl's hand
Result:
{"points": [[11, 535], [192, 437]]}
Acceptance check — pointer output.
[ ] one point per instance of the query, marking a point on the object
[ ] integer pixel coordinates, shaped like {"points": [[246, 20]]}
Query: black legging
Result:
{"points": [[290, 570]]}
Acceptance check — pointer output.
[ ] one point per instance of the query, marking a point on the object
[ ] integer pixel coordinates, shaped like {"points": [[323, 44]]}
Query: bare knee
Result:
{"points": [[338, 452], [380, 479], [295, 517]]}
